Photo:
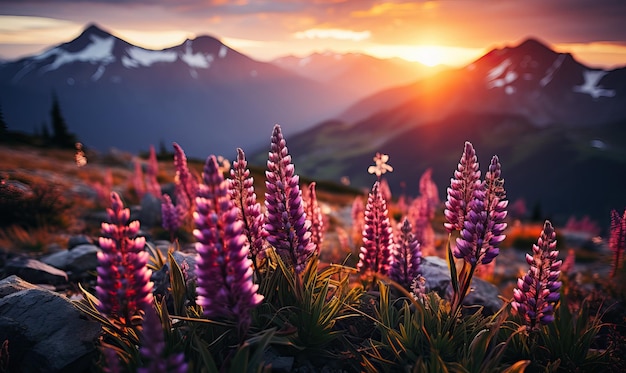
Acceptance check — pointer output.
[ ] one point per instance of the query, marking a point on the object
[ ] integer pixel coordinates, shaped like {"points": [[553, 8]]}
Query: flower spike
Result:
{"points": [[538, 291], [462, 188], [225, 287], [377, 235], [407, 257], [288, 229]]}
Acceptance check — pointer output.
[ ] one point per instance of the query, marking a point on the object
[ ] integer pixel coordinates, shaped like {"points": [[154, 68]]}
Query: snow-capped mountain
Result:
{"points": [[558, 126], [202, 94], [361, 74]]}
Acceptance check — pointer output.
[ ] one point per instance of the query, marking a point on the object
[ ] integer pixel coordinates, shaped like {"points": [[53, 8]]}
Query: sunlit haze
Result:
{"points": [[430, 32]]}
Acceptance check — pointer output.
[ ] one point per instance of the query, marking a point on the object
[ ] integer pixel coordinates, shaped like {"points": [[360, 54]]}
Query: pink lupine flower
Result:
{"points": [[461, 191], [617, 239], [152, 170], [406, 257], [124, 288], [225, 286], [483, 227], [153, 348], [186, 184], [314, 213], [138, 182], [241, 190], [358, 220], [287, 226], [538, 291], [430, 192], [377, 235], [420, 217]]}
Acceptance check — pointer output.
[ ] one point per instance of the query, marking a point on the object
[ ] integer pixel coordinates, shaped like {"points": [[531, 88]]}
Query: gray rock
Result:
{"points": [[35, 271], [76, 262], [13, 284], [78, 240], [55, 336], [437, 274], [150, 213]]}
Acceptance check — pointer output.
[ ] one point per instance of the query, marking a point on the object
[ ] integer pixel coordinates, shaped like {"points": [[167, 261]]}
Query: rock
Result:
{"points": [[35, 271], [13, 284], [76, 262], [150, 213], [46, 333], [78, 240], [437, 274]]}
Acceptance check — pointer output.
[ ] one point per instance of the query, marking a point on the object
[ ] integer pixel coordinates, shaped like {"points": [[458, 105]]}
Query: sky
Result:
{"points": [[452, 32]]}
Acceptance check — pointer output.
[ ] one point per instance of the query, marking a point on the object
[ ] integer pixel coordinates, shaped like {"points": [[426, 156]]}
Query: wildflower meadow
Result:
{"points": [[267, 290]]}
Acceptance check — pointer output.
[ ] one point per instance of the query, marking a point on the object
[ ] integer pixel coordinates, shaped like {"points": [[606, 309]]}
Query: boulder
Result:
{"points": [[78, 240], [76, 262], [13, 284], [150, 213], [34, 271], [437, 274], [46, 333]]}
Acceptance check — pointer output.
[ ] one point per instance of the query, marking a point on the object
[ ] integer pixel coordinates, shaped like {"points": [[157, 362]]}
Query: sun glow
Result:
{"points": [[429, 55]]}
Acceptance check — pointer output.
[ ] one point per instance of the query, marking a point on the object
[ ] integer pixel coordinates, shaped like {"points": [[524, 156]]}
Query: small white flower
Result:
{"points": [[381, 165]]}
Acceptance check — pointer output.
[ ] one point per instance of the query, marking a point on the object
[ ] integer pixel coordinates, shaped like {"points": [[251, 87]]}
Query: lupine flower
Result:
{"points": [[430, 192], [138, 182], [538, 291], [314, 213], [461, 191], [484, 225], [124, 288], [186, 184], [224, 271], [171, 215], [287, 226], [152, 184], [111, 362], [617, 239], [377, 235], [420, 216], [380, 166], [358, 220], [407, 256], [241, 190], [153, 348]]}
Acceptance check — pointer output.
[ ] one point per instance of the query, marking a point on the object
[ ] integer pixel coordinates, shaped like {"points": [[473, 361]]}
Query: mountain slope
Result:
{"points": [[359, 74], [558, 126], [202, 94]]}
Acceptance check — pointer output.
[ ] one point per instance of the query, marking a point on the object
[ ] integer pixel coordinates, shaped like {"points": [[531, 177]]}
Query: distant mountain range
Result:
{"points": [[359, 74], [559, 128], [202, 94]]}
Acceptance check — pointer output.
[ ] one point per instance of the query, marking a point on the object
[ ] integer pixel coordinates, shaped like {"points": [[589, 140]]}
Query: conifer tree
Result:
{"points": [[60, 133]]}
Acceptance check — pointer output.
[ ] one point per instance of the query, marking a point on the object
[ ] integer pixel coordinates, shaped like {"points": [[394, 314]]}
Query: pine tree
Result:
{"points": [[60, 133], [4, 128]]}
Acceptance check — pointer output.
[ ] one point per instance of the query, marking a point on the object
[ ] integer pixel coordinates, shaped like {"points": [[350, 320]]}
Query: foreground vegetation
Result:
{"points": [[259, 298]]}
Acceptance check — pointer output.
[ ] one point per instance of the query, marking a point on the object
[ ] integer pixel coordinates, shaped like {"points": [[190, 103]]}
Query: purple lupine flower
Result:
{"points": [[407, 256], [287, 227], [186, 184], [224, 271], [241, 191], [111, 362], [617, 239], [171, 215], [538, 291], [484, 225], [461, 191], [153, 348], [152, 170], [377, 235], [314, 213], [124, 288]]}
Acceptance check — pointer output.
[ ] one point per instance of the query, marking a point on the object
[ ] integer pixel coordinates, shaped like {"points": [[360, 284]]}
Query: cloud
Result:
{"points": [[339, 34]]}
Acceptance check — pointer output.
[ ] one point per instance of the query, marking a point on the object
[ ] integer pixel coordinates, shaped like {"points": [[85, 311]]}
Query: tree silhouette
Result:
{"points": [[4, 128], [60, 134]]}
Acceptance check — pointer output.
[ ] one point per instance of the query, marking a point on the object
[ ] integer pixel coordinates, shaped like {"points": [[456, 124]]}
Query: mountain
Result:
{"points": [[559, 128], [202, 94], [360, 74]]}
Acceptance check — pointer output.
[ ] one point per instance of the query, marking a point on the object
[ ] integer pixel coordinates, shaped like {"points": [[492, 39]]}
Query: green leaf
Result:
{"points": [[452, 266]]}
